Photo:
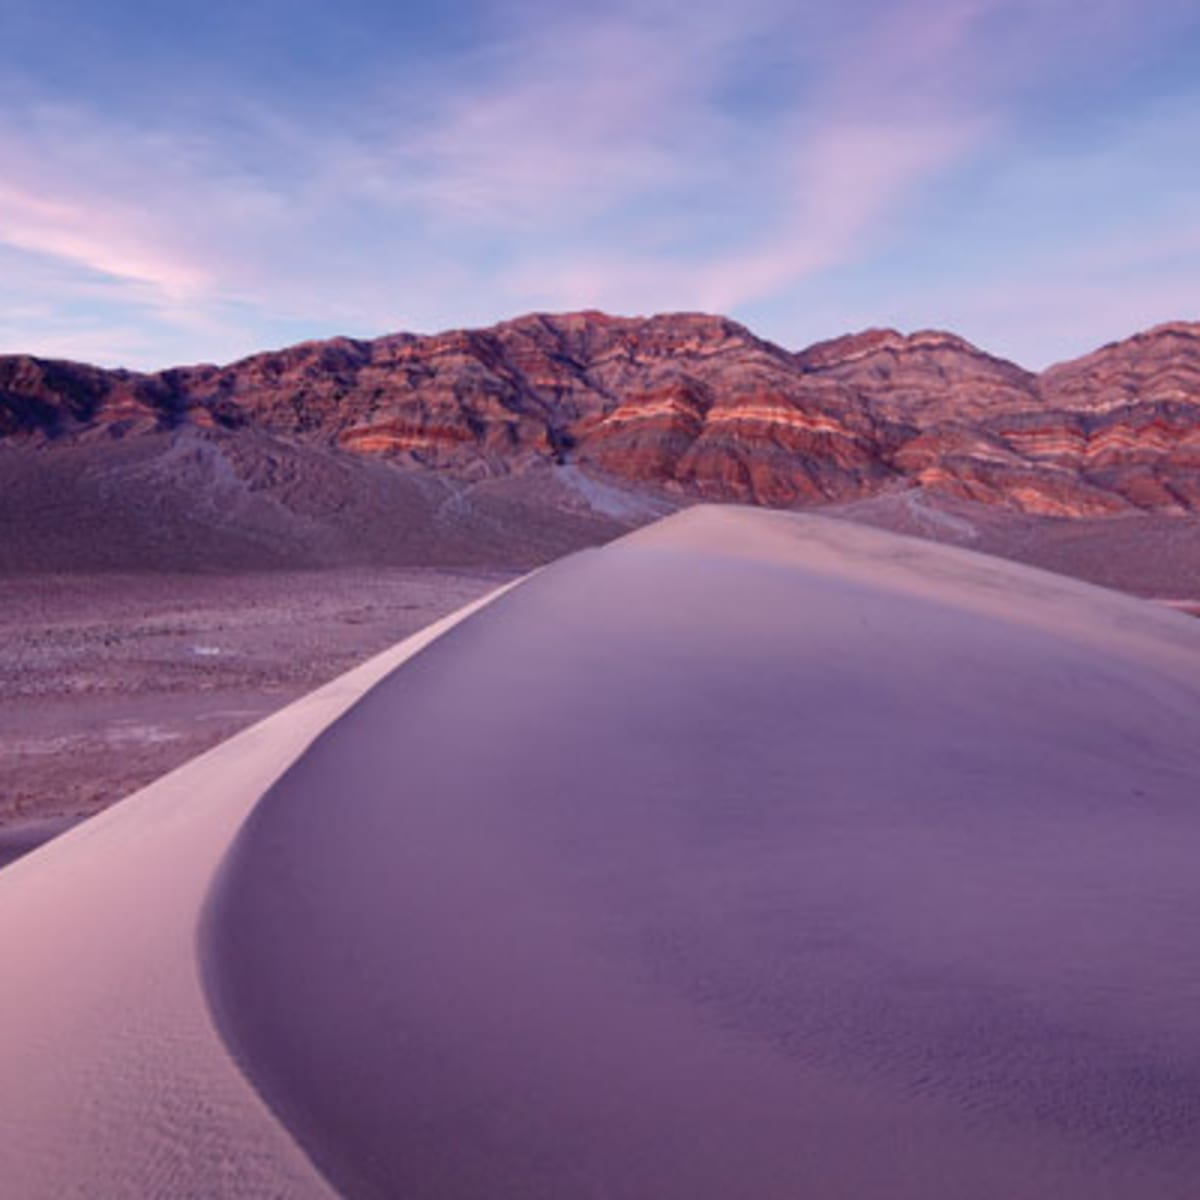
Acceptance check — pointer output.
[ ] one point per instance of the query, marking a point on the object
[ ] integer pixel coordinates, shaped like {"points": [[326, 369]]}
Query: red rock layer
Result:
{"points": [[689, 402]]}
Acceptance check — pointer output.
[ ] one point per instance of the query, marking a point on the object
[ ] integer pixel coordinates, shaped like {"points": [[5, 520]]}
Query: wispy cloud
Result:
{"points": [[104, 240], [840, 187], [873, 123], [635, 156]]}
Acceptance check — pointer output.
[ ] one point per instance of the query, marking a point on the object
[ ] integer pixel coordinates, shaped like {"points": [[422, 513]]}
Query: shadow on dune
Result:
{"points": [[754, 855]]}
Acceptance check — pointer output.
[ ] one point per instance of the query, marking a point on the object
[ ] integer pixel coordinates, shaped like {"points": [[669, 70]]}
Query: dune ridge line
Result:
{"points": [[115, 1082]]}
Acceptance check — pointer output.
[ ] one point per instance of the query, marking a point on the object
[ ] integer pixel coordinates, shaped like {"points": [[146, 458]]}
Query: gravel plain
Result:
{"points": [[110, 680]]}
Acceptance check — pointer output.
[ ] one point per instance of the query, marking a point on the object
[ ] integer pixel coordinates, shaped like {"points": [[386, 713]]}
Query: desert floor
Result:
{"points": [[108, 681]]}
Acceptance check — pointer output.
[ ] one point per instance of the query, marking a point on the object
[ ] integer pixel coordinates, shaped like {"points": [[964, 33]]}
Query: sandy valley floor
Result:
{"points": [[108, 681]]}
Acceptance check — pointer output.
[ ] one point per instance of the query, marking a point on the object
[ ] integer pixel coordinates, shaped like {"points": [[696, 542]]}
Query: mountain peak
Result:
{"points": [[690, 402], [853, 347]]}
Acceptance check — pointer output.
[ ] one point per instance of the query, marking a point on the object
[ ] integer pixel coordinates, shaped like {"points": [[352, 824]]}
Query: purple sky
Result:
{"points": [[187, 182]]}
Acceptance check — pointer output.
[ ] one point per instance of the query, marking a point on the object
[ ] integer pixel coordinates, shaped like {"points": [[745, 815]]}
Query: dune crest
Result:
{"points": [[115, 1082]]}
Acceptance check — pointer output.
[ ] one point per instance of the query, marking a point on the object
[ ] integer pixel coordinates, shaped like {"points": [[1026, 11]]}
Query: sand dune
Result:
{"points": [[20, 838], [753, 855], [113, 1082]]}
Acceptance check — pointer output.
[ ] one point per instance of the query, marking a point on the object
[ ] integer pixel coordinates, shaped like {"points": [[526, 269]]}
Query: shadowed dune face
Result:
{"points": [[752, 855]]}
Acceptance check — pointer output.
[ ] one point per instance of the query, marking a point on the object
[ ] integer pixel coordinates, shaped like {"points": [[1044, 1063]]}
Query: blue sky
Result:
{"points": [[183, 182]]}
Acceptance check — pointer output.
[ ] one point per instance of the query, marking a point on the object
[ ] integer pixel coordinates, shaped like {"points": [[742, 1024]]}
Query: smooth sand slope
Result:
{"points": [[752, 856], [113, 1081]]}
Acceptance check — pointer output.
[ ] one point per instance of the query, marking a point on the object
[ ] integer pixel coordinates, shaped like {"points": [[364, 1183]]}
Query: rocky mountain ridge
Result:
{"points": [[691, 405]]}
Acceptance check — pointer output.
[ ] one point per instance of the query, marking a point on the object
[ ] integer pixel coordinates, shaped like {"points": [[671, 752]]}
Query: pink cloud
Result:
{"points": [[103, 239], [589, 157], [574, 116], [909, 91], [850, 181], [158, 210], [881, 124]]}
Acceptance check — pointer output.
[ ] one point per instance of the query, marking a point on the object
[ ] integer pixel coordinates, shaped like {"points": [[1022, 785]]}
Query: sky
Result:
{"points": [[184, 182]]}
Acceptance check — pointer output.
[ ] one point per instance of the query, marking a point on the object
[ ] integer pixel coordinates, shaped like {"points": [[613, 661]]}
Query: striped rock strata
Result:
{"points": [[694, 404]]}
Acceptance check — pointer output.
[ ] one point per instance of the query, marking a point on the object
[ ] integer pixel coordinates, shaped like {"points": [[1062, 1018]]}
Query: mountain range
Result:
{"points": [[418, 447]]}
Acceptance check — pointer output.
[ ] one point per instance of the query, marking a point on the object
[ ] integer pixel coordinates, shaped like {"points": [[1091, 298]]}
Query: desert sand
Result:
{"points": [[20, 837], [115, 1082], [752, 855]]}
